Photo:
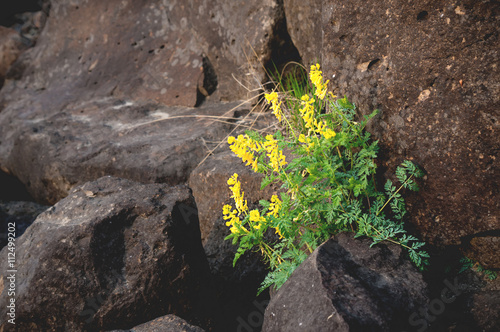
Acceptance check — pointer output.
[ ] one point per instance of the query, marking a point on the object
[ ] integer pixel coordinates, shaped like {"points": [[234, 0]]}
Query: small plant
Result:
{"points": [[468, 263], [327, 185]]}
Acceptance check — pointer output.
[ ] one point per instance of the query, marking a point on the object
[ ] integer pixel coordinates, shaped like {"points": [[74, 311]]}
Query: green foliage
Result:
{"points": [[469, 264], [328, 186]]}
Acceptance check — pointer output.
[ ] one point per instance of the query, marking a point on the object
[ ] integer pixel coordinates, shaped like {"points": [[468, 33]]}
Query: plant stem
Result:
{"points": [[393, 195]]}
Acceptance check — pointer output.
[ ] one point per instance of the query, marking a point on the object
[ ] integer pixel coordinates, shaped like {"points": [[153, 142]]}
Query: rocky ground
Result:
{"points": [[113, 118]]}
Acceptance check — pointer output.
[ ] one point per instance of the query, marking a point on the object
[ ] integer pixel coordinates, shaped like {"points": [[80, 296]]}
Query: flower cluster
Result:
{"points": [[233, 221], [238, 196], [307, 112], [276, 157], [311, 123], [232, 217], [326, 187], [272, 98], [308, 141], [316, 76], [274, 210], [274, 207], [245, 147], [256, 219]]}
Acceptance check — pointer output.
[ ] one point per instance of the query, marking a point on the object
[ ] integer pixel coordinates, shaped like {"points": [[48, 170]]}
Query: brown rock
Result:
{"points": [[11, 47], [211, 191], [88, 93], [432, 69], [484, 250], [236, 286], [303, 20], [139, 141], [485, 306], [113, 254], [170, 323], [128, 49], [153, 51], [345, 285]]}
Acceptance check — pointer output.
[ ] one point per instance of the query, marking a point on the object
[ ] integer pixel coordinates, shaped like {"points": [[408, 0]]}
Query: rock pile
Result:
{"points": [[108, 113]]}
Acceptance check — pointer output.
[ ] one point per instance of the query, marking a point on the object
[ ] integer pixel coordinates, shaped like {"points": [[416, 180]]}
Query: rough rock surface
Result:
{"points": [[346, 286], [484, 250], [486, 304], [303, 19], [170, 323], [18, 213], [432, 69], [235, 286], [165, 51], [113, 254], [78, 94], [11, 47], [86, 140], [211, 192]]}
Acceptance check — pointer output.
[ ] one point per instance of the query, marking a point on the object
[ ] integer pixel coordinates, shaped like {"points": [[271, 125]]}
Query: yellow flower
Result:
{"points": [[276, 157], [254, 216], [328, 133], [245, 147], [279, 232], [274, 207], [238, 196], [307, 112], [307, 140], [311, 123], [323, 130], [316, 77], [233, 221], [272, 98], [233, 179], [226, 210]]}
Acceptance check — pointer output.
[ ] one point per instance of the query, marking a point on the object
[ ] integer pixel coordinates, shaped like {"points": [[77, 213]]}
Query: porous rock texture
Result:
{"points": [[485, 306], [101, 69], [238, 284], [11, 46], [304, 26], [170, 323], [141, 90], [432, 69], [100, 258], [165, 51], [85, 140], [345, 285]]}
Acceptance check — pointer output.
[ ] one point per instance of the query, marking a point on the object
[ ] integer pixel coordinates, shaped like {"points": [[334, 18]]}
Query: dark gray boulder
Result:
{"points": [[51, 151], [345, 285], [303, 19], [113, 254], [88, 93], [236, 287], [170, 323]]}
